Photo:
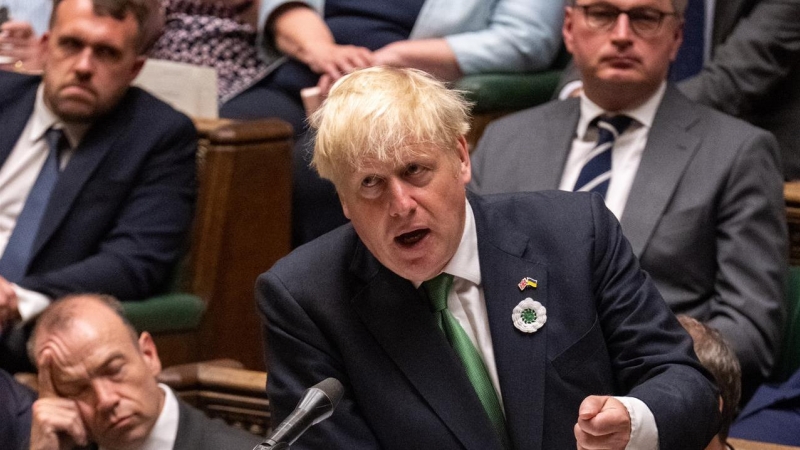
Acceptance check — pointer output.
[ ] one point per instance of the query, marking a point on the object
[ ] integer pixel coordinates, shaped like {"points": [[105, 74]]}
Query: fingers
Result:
{"points": [[603, 423], [17, 29], [8, 302], [46, 387], [338, 60], [56, 421]]}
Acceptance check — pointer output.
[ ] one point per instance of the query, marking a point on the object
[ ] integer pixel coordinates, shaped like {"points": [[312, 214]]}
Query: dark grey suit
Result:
{"points": [[197, 432], [754, 71], [704, 215]]}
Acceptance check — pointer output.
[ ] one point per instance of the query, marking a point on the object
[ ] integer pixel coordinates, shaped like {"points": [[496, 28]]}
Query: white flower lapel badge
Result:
{"points": [[529, 316]]}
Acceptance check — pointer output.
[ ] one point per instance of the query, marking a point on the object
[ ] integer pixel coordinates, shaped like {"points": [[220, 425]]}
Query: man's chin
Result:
{"points": [[128, 439], [77, 115]]}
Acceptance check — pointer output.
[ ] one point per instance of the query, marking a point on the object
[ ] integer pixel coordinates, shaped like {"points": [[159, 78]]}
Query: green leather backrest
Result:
{"points": [[789, 360], [166, 313]]}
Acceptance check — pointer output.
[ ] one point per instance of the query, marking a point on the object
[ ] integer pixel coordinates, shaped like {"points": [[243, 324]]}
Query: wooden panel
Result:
{"points": [[245, 227], [791, 193], [242, 226], [224, 390]]}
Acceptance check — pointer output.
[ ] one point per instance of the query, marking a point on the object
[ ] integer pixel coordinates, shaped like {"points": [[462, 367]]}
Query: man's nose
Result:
{"points": [[622, 31], [401, 201], [84, 65], [106, 395]]}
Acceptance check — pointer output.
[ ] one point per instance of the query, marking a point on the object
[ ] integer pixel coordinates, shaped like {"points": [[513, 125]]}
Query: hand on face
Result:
{"points": [[603, 423], [56, 422]]}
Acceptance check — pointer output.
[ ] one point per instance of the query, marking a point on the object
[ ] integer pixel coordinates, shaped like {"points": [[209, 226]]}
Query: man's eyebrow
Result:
{"points": [[117, 355], [65, 379]]}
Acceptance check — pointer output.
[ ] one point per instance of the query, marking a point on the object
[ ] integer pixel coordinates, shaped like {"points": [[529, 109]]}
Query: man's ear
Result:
{"points": [[678, 40], [566, 29], [464, 163], [345, 209], [137, 66], [149, 353], [44, 46]]}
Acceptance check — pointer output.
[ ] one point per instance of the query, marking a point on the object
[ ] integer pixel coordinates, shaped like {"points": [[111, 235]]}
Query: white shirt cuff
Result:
{"points": [[30, 303], [644, 432]]}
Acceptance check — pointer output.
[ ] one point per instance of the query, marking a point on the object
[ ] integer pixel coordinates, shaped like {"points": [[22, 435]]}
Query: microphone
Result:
{"points": [[316, 405]]}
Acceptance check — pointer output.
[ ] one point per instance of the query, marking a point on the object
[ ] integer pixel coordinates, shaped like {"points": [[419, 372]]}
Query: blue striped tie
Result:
{"points": [[596, 173], [16, 257]]}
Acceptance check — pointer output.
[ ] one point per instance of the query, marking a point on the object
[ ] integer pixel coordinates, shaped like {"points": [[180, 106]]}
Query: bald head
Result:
{"points": [[91, 311], [88, 353]]}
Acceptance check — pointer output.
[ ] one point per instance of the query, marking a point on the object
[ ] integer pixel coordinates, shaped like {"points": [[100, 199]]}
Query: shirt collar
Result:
{"points": [[642, 114], [44, 119], [464, 263], [165, 431]]}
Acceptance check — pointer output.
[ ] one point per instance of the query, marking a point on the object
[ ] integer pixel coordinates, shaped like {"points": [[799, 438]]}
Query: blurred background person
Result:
{"points": [[22, 23], [214, 33], [718, 358]]}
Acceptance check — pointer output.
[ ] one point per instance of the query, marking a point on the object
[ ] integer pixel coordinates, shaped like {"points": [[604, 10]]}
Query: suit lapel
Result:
{"points": [[94, 147], [668, 151], [556, 138], [188, 435], [399, 317], [520, 357], [13, 118]]}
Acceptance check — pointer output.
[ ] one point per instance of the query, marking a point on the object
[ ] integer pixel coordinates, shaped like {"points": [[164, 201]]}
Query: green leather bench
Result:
{"points": [[496, 94]]}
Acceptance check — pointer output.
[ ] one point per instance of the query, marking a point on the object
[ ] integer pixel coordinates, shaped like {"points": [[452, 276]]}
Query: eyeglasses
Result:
{"points": [[645, 21]]}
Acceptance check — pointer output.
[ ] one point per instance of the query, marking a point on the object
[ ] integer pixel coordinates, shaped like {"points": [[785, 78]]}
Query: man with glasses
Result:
{"points": [[699, 194]]}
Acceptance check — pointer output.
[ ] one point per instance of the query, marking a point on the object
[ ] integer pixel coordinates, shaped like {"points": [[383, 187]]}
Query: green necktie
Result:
{"points": [[437, 289]]}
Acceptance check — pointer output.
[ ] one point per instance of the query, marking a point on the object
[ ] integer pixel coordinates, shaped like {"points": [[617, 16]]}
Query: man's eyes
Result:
{"points": [[414, 169], [636, 14], [70, 44], [644, 15], [370, 181], [102, 52]]}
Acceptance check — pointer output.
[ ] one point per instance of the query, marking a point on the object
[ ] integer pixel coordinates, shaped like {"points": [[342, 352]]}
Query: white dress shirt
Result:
{"points": [[467, 304], [626, 154], [17, 176]]}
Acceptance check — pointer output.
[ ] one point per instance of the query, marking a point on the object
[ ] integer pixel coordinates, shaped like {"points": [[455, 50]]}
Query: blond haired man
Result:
{"points": [[456, 321]]}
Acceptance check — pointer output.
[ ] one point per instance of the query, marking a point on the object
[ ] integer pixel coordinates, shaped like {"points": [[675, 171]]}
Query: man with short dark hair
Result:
{"points": [[716, 355], [96, 177], [699, 194]]}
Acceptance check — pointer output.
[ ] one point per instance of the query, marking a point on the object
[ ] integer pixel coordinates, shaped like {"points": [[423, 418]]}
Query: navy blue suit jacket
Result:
{"points": [[772, 415], [15, 413], [118, 218], [332, 310]]}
